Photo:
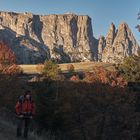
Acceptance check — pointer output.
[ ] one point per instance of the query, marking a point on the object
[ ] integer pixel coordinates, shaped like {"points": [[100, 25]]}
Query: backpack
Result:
{"points": [[21, 101]]}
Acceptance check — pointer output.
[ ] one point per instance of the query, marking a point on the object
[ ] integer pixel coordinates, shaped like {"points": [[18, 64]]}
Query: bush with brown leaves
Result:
{"points": [[101, 75], [10, 69], [7, 56]]}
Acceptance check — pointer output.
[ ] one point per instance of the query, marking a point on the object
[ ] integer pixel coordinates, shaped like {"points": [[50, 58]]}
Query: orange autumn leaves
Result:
{"points": [[7, 56], [8, 61], [101, 75]]}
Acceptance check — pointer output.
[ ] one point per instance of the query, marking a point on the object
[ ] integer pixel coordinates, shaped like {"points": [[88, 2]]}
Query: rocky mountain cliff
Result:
{"points": [[34, 38], [117, 45], [65, 38]]}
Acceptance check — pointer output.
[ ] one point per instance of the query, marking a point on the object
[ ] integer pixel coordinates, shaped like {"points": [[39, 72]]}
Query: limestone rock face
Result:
{"points": [[34, 38], [124, 44], [110, 35], [119, 44], [101, 46], [64, 38], [107, 52]]}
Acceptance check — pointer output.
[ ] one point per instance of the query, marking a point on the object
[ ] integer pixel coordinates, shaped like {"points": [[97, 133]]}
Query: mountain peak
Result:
{"points": [[123, 24], [120, 44], [112, 26]]}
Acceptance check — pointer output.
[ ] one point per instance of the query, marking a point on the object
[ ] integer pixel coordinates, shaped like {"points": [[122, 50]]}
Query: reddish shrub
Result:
{"points": [[11, 69], [74, 78], [7, 56], [101, 75]]}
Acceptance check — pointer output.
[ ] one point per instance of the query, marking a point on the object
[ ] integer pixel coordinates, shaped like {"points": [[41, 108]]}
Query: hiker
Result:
{"points": [[25, 110]]}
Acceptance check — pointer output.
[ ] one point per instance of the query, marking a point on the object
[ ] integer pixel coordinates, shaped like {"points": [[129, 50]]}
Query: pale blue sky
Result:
{"points": [[102, 12]]}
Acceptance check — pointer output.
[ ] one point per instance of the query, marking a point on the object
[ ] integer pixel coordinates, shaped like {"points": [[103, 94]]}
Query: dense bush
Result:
{"points": [[84, 110], [50, 70], [101, 75], [100, 103], [7, 56], [98, 107], [10, 90], [130, 68]]}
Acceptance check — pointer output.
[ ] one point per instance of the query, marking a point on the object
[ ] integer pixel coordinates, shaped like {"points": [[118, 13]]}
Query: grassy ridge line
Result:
{"points": [[81, 66]]}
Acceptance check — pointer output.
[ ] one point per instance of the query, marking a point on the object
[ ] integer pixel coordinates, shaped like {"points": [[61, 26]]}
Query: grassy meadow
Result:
{"points": [[81, 66]]}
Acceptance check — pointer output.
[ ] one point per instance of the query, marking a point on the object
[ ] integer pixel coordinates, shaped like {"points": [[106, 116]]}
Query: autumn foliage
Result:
{"points": [[74, 78], [8, 61], [101, 75], [7, 56], [10, 69]]}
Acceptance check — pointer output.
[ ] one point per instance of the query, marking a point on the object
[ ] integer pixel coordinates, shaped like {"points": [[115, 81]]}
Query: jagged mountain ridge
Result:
{"points": [[66, 38], [118, 44]]}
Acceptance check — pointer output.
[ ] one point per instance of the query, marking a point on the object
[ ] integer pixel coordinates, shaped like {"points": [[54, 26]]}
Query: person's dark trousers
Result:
{"points": [[19, 127], [26, 122], [26, 127]]}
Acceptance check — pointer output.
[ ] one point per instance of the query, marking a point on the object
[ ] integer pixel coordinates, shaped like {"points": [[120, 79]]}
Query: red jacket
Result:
{"points": [[25, 107]]}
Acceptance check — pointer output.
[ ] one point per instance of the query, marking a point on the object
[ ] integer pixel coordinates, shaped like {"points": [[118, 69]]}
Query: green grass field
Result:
{"points": [[81, 66]]}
